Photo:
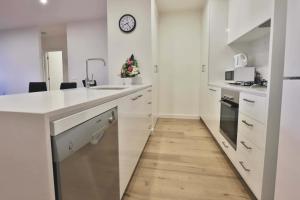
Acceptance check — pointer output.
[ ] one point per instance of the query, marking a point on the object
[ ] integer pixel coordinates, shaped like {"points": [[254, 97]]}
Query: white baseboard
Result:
{"points": [[178, 116]]}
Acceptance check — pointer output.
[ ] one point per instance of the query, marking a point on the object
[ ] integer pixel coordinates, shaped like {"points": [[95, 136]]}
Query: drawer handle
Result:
{"points": [[140, 96], [149, 103], [224, 144], [212, 90], [150, 115], [249, 101], [243, 166], [245, 122], [149, 90], [134, 99], [245, 145]]}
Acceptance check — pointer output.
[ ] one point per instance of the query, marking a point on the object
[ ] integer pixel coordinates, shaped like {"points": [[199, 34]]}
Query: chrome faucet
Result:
{"points": [[89, 82]]}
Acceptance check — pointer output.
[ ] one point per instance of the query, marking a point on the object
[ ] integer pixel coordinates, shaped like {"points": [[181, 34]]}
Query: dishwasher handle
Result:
{"points": [[91, 132]]}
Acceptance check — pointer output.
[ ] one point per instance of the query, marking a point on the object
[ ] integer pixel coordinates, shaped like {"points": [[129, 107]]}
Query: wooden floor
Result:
{"points": [[182, 162]]}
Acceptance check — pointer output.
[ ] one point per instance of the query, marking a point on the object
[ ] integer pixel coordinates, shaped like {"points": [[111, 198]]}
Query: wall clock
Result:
{"points": [[127, 23]]}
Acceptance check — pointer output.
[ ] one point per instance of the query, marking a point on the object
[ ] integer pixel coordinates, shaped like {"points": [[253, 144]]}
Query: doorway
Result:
{"points": [[54, 69]]}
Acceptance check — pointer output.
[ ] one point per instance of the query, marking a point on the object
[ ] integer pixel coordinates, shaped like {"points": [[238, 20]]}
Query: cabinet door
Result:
{"points": [[288, 176], [246, 15], [214, 109], [130, 138], [292, 64], [204, 68]]}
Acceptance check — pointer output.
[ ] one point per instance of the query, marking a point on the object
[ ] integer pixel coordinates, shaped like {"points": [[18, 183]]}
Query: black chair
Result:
{"points": [[37, 87], [92, 85], [65, 86]]}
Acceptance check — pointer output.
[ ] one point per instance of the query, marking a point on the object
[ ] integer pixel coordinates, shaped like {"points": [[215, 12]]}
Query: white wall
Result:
{"points": [[180, 64], [87, 39], [20, 60], [121, 45]]}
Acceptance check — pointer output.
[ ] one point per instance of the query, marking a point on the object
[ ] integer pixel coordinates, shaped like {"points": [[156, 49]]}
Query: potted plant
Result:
{"points": [[130, 69]]}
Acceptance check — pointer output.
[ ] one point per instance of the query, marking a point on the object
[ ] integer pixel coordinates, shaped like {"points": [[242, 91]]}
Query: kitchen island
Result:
{"points": [[27, 123]]}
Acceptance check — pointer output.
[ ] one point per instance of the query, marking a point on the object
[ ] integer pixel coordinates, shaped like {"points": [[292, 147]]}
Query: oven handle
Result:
{"points": [[226, 104]]}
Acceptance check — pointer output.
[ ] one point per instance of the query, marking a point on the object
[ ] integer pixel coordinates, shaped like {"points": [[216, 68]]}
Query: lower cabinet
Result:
{"points": [[248, 157], [213, 110], [135, 125], [250, 164]]}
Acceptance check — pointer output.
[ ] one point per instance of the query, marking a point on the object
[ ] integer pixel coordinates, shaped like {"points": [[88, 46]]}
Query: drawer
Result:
{"points": [[252, 175], [227, 148], [252, 130], [253, 106], [250, 164], [214, 90]]}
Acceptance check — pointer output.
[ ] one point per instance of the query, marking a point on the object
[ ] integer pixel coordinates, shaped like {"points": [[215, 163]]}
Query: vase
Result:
{"points": [[127, 81], [137, 80]]}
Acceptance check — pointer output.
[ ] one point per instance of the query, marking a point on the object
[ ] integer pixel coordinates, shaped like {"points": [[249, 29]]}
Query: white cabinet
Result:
{"points": [[204, 68], [253, 130], [220, 54], [251, 141], [213, 110], [215, 53], [253, 106], [250, 164], [246, 15], [291, 67], [288, 176], [135, 123]]}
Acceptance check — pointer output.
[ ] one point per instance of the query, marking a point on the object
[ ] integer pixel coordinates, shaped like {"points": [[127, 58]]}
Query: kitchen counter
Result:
{"points": [[259, 91], [26, 122], [52, 102]]}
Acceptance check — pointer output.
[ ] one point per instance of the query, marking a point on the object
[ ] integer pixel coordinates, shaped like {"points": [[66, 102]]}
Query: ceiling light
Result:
{"points": [[44, 2]]}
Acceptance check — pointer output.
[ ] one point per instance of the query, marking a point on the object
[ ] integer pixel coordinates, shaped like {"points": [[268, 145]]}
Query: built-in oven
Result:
{"points": [[229, 116]]}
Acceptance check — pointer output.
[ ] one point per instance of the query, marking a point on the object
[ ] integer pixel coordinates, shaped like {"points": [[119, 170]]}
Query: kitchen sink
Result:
{"points": [[109, 88]]}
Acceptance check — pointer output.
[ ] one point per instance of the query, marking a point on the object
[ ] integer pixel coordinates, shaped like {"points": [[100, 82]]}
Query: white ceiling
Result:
{"points": [[25, 13], [180, 5]]}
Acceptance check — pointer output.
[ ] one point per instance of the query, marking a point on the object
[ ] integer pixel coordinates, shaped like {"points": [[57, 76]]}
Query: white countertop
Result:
{"points": [[52, 101], [259, 91]]}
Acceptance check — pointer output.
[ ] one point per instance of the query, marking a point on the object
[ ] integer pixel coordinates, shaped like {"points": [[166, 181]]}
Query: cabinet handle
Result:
{"points": [[249, 101], [245, 122], [149, 103], [212, 90], [224, 144], [243, 166], [150, 115], [149, 90], [245, 145], [140, 96], [203, 68]]}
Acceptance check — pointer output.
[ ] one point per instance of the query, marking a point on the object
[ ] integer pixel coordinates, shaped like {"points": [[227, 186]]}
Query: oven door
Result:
{"points": [[229, 121]]}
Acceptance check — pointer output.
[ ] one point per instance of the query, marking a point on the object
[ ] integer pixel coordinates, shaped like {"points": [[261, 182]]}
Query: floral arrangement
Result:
{"points": [[131, 68]]}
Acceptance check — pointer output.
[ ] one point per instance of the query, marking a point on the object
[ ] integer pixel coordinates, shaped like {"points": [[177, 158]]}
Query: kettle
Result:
{"points": [[240, 60]]}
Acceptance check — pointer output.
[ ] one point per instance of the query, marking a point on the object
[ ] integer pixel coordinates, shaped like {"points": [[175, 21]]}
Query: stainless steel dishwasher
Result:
{"points": [[86, 160]]}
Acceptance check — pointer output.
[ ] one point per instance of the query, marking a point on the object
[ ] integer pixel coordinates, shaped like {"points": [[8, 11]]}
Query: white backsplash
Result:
{"points": [[258, 54]]}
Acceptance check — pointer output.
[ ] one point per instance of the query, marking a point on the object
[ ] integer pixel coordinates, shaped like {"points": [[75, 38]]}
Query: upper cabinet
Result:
{"points": [[245, 15], [291, 68], [220, 55]]}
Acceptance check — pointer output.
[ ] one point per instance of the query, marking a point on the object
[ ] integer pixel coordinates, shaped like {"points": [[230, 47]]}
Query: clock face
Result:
{"points": [[127, 23]]}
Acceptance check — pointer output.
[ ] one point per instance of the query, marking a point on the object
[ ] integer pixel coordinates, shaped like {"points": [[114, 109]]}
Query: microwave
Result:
{"points": [[229, 75]]}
